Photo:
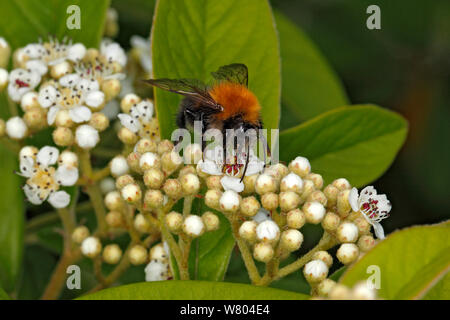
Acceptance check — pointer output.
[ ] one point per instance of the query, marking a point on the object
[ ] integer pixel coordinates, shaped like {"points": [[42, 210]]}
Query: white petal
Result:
{"points": [[47, 96], [128, 122], [32, 195], [47, 156], [210, 167], [16, 93], [95, 99], [231, 183], [66, 176], [254, 166], [76, 52], [145, 109], [353, 199], [80, 114], [26, 166], [70, 80], [366, 193], [261, 216], [51, 115], [379, 232], [37, 66], [60, 199]]}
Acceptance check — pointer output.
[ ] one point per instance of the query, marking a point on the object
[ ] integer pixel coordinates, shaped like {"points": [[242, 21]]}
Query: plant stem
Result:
{"points": [[68, 224]]}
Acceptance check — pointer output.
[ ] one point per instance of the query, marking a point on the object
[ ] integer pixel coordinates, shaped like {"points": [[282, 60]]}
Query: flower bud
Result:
{"points": [[99, 121], [5, 52], [61, 69], [229, 201], [107, 184], [153, 178], [149, 160], [363, 225], [193, 226], [2, 128], [170, 161], [192, 154], [347, 232], [158, 253], [343, 205], [324, 256], [347, 253], [292, 182], [91, 247], [187, 169], [63, 137], [190, 184], [119, 166], [131, 193], [264, 184], [146, 145], [249, 184], [29, 101], [63, 119], [141, 223], [331, 221], [331, 192], [212, 198], [339, 292], [268, 231], [213, 182], [211, 221], [129, 101], [138, 255], [295, 219], [172, 188], [314, 212], [263, 252], [133, 160], [342, 184], [174, 221], [16, 128], [325, 286], [315, 271], [289, 200], [79, 234], [318, 196], [291, 240], [127, 136], [86, 137], [361, 291], [316, 179], [269, 201], [124, 180], [300, 166], [281, 169], [308, 188], [114, 219], [113, 200], [111, 88], [35, 118], [153, 199], [4, 77], [247, 231], [249, 206], [165, 146], [366, 242], [112, 254]]}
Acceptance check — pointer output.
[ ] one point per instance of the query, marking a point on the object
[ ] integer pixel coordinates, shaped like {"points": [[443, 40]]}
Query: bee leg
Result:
{"points": [[246, 160]]}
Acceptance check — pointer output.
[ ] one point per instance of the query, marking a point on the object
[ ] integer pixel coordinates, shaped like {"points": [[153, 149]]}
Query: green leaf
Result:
{"points": [[3, 295], [11, 220], [29, 19], [190, 39], [309, 85], [441, 291], [411, 261], [358, 143], [192, 290]]}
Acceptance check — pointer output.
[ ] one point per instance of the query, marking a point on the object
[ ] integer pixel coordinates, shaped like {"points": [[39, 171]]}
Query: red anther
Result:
{"points": [[22, 84]]}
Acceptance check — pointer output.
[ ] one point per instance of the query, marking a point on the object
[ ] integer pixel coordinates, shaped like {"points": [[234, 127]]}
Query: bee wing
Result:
{"points": [[192, 88], [236, 72]]}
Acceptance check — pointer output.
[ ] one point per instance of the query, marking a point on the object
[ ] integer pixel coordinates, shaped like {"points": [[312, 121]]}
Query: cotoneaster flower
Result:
{"points": [[113, 52], [73, 94], [374, 207], [139, 120], [44, 180], [22, 81], [213, 164]]}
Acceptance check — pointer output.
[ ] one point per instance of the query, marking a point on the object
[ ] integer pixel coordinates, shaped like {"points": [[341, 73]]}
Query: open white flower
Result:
{"points": [[22, 81], [113, 52], [74, 94], [139, 119], [374, 207], [44, 180], [213, 164]]}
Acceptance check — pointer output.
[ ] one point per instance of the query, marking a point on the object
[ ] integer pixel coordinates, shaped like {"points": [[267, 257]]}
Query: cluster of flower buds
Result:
{"points": [[331, 290], [63, 85]]}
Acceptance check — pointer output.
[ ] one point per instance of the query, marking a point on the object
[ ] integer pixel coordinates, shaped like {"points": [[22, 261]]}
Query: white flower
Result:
{"points": [[16, 128], [232, 173], [113, 52], [142, 46], [193, 226], [22, 81], [119, 166], [374, 207], [267, 230], [44, 180], [37, 66], [139, 118], [156, 271], [86, 136]]}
